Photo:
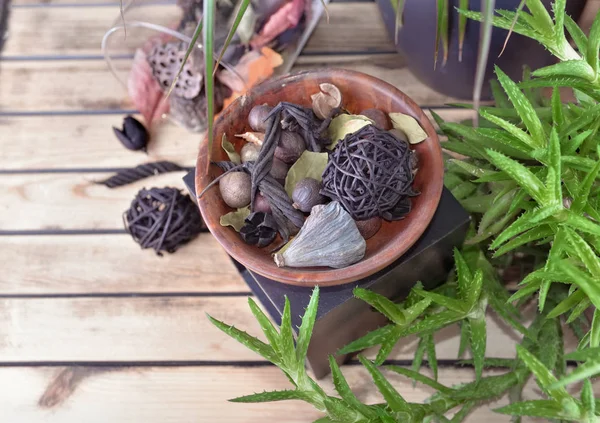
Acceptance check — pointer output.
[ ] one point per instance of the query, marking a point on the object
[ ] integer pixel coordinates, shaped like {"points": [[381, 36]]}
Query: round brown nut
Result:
{"points": [[235, 189]]}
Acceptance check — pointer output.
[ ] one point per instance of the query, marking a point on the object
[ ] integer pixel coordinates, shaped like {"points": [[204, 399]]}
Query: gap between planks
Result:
{"points": [[89, 143], [61, 86], [174, 395]]}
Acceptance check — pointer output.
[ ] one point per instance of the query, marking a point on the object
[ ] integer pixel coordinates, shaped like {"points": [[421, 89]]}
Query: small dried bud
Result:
{"points": [[249, 152], [253, 137], [133, 136], [260, 229], [326, 100]]}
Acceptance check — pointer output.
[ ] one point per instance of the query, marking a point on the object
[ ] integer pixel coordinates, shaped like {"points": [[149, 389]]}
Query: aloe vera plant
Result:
{"points": [[529, 176]]}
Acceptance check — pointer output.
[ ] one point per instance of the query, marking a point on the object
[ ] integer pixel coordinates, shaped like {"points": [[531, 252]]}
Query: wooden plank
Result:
{"points": [[189, 394], [88, 142], [160, 329], [88, 85], [48, 142], [79, 30], [69, 200], [113, 264]]}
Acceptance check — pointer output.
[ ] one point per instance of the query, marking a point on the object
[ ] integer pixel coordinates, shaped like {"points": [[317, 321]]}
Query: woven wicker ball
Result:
{"points": [[163, 219], [370, 173]]}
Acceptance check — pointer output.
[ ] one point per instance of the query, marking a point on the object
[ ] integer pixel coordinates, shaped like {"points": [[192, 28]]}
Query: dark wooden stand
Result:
{"points": [[341, 318]]}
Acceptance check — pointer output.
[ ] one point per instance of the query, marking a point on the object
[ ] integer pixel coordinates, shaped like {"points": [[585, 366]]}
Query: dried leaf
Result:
{"points": [[343, 125], [230, 150], [409, 126], [326, 100], [235, 218], [309, 165], [253, 137]]}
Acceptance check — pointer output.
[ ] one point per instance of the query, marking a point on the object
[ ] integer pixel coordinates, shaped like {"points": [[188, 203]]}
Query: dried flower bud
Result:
{"points": [[260, 229], [133, 136], [326, 100]]}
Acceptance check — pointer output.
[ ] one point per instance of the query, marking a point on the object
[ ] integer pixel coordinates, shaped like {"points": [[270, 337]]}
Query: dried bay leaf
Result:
{"points": [[230, 150], [410, 126], [309, 165], [235, 219], [343, 125]]}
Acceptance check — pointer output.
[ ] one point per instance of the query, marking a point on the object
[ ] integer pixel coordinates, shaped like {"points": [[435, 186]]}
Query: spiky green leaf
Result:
{"points": [[275, 396], [418, 377], [537, 408], [578, 68], [307, 325], [376, 337], [343, 389], [382, 304], [521, 174], [586, 370], [544, 377], [392, 397], [478, 343]]}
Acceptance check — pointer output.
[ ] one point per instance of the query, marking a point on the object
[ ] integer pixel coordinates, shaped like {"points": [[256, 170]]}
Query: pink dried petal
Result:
{"points": [[144, 91], [285, 18]]}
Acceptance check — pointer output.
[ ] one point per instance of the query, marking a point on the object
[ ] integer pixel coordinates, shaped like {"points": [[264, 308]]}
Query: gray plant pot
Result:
{"points": [[416, 41]]}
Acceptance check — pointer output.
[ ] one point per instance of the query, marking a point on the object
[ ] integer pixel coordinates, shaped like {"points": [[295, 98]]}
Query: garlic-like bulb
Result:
{"points": [[329, 237]]}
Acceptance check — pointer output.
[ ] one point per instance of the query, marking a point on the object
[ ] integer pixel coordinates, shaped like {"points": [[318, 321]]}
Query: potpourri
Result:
{"points": [[328, 176]]}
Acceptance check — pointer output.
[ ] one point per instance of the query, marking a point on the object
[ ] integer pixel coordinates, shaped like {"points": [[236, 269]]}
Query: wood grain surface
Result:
{"points": [[184, 394], [95, 329], [72, 31], [165, 328], [112, 264]]}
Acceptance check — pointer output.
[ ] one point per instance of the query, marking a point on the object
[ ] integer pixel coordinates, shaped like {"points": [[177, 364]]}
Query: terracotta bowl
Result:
{"points": [[359, 92]]}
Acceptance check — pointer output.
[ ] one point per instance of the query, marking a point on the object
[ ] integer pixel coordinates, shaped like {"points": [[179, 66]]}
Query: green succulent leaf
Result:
{"points": [[584, 355], [392, 397], [265, 324], [418, 377], [595, 330], [567, 304], [275, 396], [382, 304], [594, 44], [450, 303], [587, 398], [586, 370], [521, 174], [523, 107], [431, 354], [548, 409], [307, 325], [544, 377], [376, 337], [576, 34], [342, 388], [478, 343], [248, 341], [578, 68]]}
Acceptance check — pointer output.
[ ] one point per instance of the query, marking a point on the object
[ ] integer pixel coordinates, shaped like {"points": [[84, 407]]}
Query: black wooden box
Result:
{"points": [[341, 317]]}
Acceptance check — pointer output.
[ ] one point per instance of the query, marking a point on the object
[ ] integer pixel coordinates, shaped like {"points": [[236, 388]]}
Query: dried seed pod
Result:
{"points": [[290, 147], [253, 137], [325, 101], [279, 169], [368, 228], [260, 229], [257, 117], [261, 204], [306, 194], [380, 118], [235, 189], [249, 152], [133, 136], [329, 237]]}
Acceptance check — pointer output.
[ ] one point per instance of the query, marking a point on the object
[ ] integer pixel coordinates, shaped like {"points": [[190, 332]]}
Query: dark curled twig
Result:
{"points": [[264, 161], [303, 120], [163, 219], [128, 176]]}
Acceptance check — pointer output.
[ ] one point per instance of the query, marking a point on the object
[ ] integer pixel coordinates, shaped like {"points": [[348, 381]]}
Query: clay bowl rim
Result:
{"points": [[365, 267]]}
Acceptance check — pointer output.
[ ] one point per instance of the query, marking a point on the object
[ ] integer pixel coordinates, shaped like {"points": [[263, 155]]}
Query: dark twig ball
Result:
{"points": [[163, 219], [370, 173]]}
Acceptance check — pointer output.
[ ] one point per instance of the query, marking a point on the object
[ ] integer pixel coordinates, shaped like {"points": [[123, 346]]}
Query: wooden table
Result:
{"points": [[93, 329]]}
